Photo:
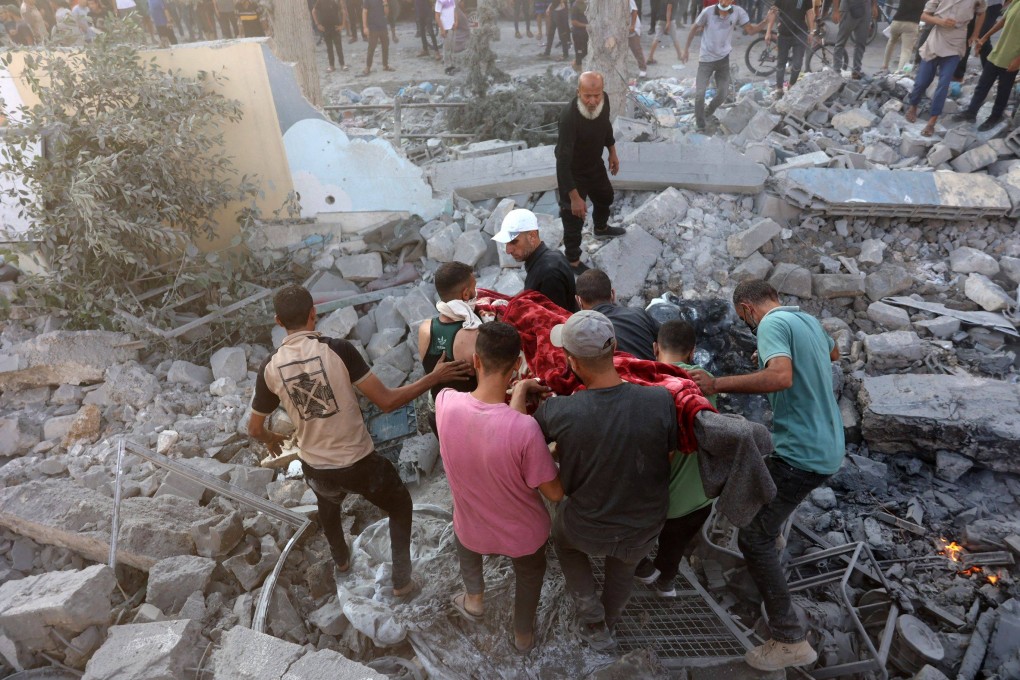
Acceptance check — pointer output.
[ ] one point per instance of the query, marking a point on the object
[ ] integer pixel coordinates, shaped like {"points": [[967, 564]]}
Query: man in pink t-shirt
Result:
{"points": [[495, 459]]}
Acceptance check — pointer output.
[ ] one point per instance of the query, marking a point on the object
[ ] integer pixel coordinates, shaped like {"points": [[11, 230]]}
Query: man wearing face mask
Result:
{"points": [[794, 355]]}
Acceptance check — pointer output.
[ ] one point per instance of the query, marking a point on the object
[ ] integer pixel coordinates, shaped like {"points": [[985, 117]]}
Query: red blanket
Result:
{"points": [[533, 315]]}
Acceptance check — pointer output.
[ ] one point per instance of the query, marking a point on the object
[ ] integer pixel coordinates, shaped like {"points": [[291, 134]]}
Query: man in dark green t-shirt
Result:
{"points": [[794, 354]]}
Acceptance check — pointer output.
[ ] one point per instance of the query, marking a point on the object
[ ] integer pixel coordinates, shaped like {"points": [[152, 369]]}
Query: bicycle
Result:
{"points": [[761, 56]]}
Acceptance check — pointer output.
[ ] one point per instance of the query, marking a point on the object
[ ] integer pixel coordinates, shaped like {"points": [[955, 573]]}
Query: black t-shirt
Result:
{"points": [[579, 145], [909, 10], [328, 14], [376, 15], [549, 273], [793, 17], [614, 447], [635, 329], [577, 14]]}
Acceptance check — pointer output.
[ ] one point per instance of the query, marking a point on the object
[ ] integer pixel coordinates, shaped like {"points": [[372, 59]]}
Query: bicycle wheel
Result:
{"points": [[761, 57], [819, 59]]}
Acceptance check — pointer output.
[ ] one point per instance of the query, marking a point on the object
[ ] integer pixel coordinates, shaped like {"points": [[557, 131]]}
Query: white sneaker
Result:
{"points": [[775, 655], [642, 74]]}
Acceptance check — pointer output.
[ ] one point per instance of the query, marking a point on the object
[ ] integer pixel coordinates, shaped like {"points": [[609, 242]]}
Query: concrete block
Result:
{"points": [[940, 153], [68, 601], [130, 383], [496, 217], [975, 159], [57, 427], [951, 466], [246, 655], [892, 350], [853, 120], [217, 536], [941, 327], [987, 293], [383, 341], [759, 127], [326, 664], [662, 210], [739, 115], [889, 316], [958, 139], [756, 266], [63, 358], [360, 268], [186, 373], [966, 260], [164, 650], [838, 285], [442, 246], [872, 251], [416, 306], [470, 247], [888, 280], [338, 323], [62, 513], [229, 362], [329, 618], [743, 243], [880, 153], [791, 279], [627, 261], [1010, 266], [810, 91], [222, 387], [509, 283], [919, 414]]}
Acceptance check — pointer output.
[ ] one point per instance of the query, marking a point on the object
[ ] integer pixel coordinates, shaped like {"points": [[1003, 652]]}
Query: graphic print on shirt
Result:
{"points": [[307, 386]]}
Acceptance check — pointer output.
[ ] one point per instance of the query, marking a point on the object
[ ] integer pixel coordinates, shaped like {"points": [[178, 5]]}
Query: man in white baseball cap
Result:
{"points": [[548, 271], [614, 440]]}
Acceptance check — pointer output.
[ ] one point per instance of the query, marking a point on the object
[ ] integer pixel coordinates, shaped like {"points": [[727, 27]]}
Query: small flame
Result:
{"points": [[951, 549], [993, 578], [970, 572]]}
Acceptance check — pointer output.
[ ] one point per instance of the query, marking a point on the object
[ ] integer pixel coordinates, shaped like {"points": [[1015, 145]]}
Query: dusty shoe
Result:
{"points": [[664, 587], [597, 635], [775, 655], [609, 232]]}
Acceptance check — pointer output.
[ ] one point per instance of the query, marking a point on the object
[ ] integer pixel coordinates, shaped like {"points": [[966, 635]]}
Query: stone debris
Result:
{"points": [[174, 579], [163, 650], [246, 655], [64, 358]]}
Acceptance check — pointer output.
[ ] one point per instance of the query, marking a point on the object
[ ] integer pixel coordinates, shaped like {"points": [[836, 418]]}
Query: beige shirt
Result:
{"points": [[946, 42], [313, 378]]}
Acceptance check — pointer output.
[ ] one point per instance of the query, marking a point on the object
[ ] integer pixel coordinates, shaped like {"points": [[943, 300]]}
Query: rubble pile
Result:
{"points": [[923, 311]]}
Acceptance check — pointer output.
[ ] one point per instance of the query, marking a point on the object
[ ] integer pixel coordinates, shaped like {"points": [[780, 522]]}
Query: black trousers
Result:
{"points": [[334, 43], [426, 19], [790, 50], [376, 480], [355, 24], [676, 534], [990, 75], [991, 16], [529, 571], [580, 36], [596, 187], [558, 22]]}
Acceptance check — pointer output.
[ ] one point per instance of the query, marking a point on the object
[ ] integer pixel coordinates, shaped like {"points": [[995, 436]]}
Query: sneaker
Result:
{"points": [[578, 268], [597, 635], [989, 124], [646, 572], [775, 655], [663, 587], [610, 232], [642, 74], [964, 117]]}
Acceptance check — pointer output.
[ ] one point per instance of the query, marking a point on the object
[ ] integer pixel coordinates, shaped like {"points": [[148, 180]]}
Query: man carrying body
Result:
{"points": [[495, 459], [584, 130], [452, 334], [794, 354], [854, 22], [614, 439], [635, 329], [548, 271], [715, 24], [314, 379], [689, 507], [796, 26]]}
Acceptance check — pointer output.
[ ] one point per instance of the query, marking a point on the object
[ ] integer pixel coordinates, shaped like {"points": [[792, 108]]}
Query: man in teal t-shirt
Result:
{"points": [[794, 355], [689, 507]]}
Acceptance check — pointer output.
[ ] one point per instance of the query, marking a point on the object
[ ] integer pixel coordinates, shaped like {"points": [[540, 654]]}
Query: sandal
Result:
{"points": [[410, 591], [651, 61], [459, 602], [388, 68]]}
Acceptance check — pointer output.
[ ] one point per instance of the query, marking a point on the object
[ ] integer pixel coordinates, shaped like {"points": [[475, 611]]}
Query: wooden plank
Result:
{"points": [[901, 523]]}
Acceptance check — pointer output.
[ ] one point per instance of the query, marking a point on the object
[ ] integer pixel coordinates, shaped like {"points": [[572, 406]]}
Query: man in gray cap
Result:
{"points": [[548, 270], [614, 441]]}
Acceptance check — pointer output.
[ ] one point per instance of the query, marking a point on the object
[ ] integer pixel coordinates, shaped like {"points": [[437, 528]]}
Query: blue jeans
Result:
{"points": [[944, 66], [757, 541]]}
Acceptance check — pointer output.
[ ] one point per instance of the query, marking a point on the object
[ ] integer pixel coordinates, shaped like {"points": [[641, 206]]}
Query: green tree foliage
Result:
{"points": [[513, 113]]}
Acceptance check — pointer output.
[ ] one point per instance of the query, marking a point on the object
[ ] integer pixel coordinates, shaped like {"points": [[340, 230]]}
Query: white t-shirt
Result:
{"points": [[637, 22], [447, 10], [125, 4]]}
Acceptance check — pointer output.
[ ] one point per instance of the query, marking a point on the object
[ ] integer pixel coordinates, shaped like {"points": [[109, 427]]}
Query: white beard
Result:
{"points": [[590, 115]]}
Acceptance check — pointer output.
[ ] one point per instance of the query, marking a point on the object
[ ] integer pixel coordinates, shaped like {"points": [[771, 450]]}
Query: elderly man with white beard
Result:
{"points": [[584, 130]]}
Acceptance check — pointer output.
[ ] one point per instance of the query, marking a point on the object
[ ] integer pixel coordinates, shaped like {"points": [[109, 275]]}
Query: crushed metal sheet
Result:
{"points": [[988, 319]]}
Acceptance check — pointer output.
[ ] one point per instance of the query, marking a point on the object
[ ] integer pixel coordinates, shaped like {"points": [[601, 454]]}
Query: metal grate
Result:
{"points": [[680, 630]]}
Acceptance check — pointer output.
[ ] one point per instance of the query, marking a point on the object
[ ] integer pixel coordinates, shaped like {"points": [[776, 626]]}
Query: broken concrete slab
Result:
{"points": [[853, 120], [888, 316], [810, 91], [666, 207], [130, 383], [247, 655], [173, 579], [627, 261], [891, 193], [701, 164], [975, 159], [941, 327], [743, 243], [338, 323], [60, 512], [186, 373], [229, 362], [68, 601], [756, 266], [360, 268], [791, 279], [892, 350], [64, 358], [988, 294], [471, 246], [837, 285], [966, 260], [921, 414], [888, 280], [164, 650]]}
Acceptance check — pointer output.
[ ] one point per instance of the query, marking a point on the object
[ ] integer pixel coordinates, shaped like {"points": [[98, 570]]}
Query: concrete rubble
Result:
{"points": [[905, 248]]}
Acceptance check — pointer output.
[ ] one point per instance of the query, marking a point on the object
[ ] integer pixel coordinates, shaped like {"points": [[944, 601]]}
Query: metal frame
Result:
{"points": [[299, 522], [851, 554]]}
